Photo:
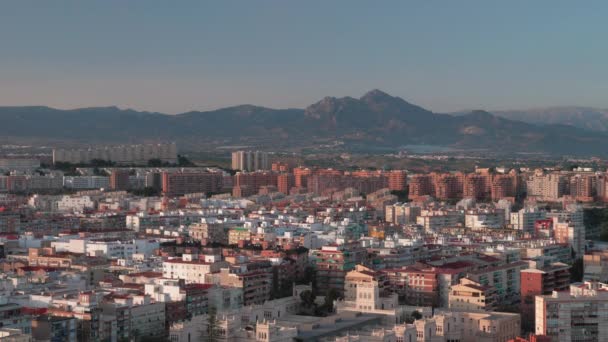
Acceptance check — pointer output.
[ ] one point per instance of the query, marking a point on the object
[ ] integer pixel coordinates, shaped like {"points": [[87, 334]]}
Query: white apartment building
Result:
{"points": [[191, 269], [11, 164], [526, 217], [568, 227], [547, 187], [86, 182], [147, 318], [484, 219], [48, 182], [112, 249], [127, 154], [433, 220], [75, 203], [250, 160], [401, 213], [581, 314]]}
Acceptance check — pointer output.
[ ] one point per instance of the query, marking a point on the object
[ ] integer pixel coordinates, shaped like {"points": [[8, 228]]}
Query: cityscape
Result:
{"points": [[143, 198]]}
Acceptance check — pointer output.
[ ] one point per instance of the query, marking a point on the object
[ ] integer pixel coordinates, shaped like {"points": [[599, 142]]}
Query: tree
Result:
{"points": [[308, 306], [155, 162], [332, 295], [415, 315], [401, 195], [577, 270], [286, 289], [210, 331], [274, 294], [183, 161], [604, 231], [146, 192], [135, 334], [101, 163], [309, 277]]}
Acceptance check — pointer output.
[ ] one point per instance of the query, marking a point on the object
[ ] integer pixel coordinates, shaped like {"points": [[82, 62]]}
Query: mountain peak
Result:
{"points": [[376, 95], [481, 116]]}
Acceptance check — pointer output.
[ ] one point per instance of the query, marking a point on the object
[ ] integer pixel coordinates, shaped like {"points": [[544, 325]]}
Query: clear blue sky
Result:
{"points": [[174, 56]]}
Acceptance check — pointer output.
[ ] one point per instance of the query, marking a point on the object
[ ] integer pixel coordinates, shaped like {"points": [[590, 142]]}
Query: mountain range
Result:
{"points": [[375, 120], [589, 118]]}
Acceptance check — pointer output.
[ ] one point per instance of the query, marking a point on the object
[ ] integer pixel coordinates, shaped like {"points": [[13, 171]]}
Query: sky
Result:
{"points": [[176, 56]]}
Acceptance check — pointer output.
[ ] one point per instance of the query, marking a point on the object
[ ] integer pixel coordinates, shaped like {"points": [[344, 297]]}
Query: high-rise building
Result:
{"points": [[476, 186], [504, 186], [448, 186], [421, 185], [250, 160], [122, 154], [548, 187], [301, 176], [180, 183], [583, 187], [249, 183], [119, 179], [397, 180], [285, 181]]}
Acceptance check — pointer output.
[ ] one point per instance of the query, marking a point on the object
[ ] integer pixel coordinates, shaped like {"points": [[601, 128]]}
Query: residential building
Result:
{"points": [[127, 154], [471, 295], [596, 266], [333, 262], [250, 160], [181, 183], [578, 315], [191, 269], [119, 179]]}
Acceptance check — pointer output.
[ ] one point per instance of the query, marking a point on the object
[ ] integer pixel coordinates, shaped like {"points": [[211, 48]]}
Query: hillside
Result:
{"points": [[374, 120]]}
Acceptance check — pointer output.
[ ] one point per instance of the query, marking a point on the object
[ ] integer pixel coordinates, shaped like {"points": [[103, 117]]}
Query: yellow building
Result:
{"points": [[471, 295], [237, 234]]}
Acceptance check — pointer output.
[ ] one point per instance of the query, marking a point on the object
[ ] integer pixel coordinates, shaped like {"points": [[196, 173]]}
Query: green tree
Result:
{"points": [[210, 331], [146, 192], [286, 289], [183, 161], [155, 162], [401, 195], [604, 231], [308, 306], [101, 163], [332, 295], [577, 270], [409, 319], [309, 277]]}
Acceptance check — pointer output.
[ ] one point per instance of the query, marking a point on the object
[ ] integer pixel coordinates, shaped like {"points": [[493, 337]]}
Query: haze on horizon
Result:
{"points": [[198, 55]]}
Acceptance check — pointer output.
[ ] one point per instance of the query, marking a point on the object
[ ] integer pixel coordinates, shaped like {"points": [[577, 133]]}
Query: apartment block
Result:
{"points": [[578, 315], [250, 160], [471, 295], [596, 266], [181, 183], [127, 154]]}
